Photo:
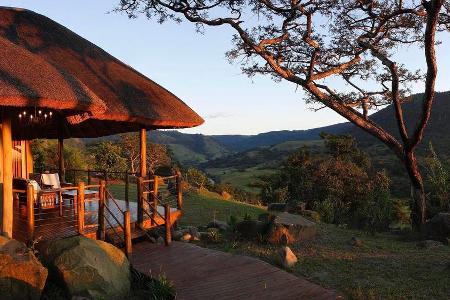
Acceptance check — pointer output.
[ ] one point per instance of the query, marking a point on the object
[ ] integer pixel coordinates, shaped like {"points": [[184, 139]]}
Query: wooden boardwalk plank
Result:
{"points": [[200, 273]]}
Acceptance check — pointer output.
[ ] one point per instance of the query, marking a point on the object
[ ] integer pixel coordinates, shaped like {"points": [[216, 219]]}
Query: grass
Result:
{"points": [[240, 178], [200, 209], [386, 266]]}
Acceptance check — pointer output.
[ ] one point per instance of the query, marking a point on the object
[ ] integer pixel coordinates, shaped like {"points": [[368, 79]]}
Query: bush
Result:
{"points": [[341, 187]]}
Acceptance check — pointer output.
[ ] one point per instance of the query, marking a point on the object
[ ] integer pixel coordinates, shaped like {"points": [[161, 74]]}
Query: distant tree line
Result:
{"points": [[119, 155]]}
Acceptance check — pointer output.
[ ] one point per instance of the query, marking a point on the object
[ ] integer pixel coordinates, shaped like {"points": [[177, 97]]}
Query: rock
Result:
{"points": [[89, 268], [287, 258], [22, 276], [276, 207], [311, 215], [225, 195], [429, 244], [193, 230], [186, 237], [223, 226], [177, 235], [286, 228], [439, 226], [355, 242], [160, 240]]}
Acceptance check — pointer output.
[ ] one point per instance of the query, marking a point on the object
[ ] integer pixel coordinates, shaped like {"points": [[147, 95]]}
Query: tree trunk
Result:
{"points": [[417, 191]]}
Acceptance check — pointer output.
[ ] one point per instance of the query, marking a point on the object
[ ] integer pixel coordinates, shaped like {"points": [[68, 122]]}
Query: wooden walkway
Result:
{"points": [[200, 273]]}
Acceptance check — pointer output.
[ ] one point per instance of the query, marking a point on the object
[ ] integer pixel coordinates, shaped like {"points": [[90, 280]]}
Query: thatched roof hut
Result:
{"points": [[132, 101]]}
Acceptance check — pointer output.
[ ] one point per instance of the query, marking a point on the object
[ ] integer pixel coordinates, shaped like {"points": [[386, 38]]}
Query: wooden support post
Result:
{"points": [[62, 171], [179, 191], [89, 179], [143, 151], [168, 236], [30, 212], [101, 211], [80, 205], [7, 219], [127, 232], [155, 199], [140, 202], [29, 159], [127, 189]]}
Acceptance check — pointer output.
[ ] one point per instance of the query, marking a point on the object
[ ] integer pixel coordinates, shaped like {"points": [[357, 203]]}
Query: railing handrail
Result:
{"points": [[111, 197]]}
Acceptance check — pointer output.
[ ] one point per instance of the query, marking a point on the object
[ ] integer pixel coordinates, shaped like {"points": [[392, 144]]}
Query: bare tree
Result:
{"points": [[342, 52]]}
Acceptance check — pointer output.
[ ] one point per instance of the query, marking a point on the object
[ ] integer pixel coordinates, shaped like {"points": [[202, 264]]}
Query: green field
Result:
{"points": [[386, 266], [240, 178], [200, 209]]}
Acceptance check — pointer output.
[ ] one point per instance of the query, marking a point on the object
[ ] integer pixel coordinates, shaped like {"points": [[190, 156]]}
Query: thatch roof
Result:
{"points": [[38, 83], [132, 100]]}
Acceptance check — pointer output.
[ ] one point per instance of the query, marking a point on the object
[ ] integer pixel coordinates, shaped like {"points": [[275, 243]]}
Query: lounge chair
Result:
{"points": [[43, 198]]}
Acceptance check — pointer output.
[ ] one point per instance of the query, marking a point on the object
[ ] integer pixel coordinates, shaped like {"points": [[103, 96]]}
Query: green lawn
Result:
{"points": [[387, 266], [201, 209], [240, 178]]}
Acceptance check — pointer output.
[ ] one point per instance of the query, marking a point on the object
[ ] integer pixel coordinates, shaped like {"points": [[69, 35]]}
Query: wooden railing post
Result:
{"points": [[155, 199], [30, 212], [168, 237], [179, 191], [140, 202], [127, 188], [101, 211], [127, 232], [80, 205]]}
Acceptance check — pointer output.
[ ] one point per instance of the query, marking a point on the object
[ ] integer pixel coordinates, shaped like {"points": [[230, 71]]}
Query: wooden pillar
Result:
{"points": [[168, 236], [143, 151], [30, 212], [23, 160], [179, 191], [7, 221], [80, 204], [140, 202], [127, 232], [61, 169], [101, 211], [29, 159]]}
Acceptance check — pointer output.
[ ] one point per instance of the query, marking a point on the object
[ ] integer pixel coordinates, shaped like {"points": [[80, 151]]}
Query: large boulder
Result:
{"points": [[22, 276], [286, 228], [89, 268], [439, 226]]}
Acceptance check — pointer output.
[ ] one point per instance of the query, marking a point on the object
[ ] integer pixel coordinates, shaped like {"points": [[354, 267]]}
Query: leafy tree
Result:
{"points": [[342, 53], [196, 178], [45, 155], [438, 179], [341, 189], [108, 157], [158, 155]]}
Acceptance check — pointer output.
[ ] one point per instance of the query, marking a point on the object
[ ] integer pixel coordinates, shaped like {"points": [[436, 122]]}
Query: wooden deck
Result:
{"points": [[49, 224], [200, 273]]}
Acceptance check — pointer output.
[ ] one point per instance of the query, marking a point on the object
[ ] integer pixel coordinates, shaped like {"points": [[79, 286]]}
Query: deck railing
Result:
{"points": [[159, 191], [72, 215]]}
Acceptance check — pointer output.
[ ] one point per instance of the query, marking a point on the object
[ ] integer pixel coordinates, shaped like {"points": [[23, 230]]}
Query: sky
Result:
{"points": [[194, 67]]}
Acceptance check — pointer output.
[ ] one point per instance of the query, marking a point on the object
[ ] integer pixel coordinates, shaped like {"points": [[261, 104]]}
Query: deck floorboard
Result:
{"points": [[200, 273]]}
